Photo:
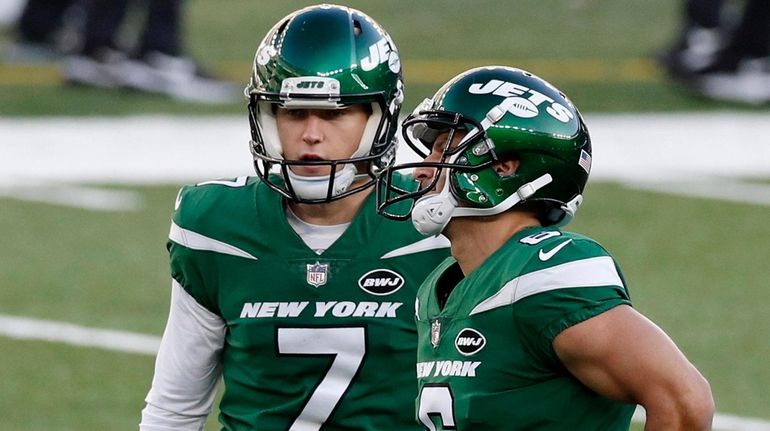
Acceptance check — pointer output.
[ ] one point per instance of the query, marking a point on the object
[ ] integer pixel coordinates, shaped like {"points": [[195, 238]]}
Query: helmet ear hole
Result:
{"points": [[357, 30]]}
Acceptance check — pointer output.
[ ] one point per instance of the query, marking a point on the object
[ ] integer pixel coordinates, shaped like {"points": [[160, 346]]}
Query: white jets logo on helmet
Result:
{"points": [[265, 54], [523, 108], [379, 53], [536, 98]]}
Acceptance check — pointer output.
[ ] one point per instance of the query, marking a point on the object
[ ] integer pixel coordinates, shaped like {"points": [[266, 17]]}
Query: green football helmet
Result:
{"points": [[504, 113], [325, 57]]}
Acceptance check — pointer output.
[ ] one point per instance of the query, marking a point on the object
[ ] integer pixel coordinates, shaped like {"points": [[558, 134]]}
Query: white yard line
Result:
{"points": [[25, 328]]}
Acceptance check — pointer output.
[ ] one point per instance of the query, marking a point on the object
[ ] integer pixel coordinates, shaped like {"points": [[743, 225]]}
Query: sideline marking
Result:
{"points": [[24, 328]]}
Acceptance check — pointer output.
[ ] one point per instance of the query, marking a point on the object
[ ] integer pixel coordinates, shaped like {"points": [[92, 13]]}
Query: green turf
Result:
{"points": [[48, 386], [696, 267], [92, 268]]}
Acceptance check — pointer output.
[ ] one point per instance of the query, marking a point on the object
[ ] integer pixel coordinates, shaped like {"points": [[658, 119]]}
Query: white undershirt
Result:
{"points": [[187, 368], [317, 237]]}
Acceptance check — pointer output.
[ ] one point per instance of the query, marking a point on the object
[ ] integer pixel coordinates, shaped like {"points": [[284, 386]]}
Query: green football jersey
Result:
{"points": [[485, 354], [313, 341]]}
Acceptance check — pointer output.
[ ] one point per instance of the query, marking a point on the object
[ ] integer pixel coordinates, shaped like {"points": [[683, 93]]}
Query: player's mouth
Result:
{"points": [[311, 170]]}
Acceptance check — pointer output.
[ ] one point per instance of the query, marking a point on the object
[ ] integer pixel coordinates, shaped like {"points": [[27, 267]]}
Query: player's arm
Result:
{"points": [[624, 356], [187, 367]]}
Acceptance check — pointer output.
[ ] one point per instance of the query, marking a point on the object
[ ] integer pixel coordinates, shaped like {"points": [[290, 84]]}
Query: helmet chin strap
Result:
{"points": [[432, 213], [318, 187], [570, 208]]}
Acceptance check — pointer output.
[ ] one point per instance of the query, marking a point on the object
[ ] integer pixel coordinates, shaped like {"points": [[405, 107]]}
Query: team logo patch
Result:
{"points": [[469, 342], [381, 52], [381, 282], [317, 274]]}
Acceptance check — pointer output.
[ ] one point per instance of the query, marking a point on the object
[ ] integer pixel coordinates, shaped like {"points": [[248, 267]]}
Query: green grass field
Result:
{"points": [[703, 280], [697, 267]]}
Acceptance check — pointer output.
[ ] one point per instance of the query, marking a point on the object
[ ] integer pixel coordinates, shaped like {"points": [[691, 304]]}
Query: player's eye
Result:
{"points": [[293, 114], [333, 114]]}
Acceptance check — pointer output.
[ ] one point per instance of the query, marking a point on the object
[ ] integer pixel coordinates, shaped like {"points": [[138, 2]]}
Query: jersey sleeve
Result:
{"points": [[184, 261], [584, 283]]}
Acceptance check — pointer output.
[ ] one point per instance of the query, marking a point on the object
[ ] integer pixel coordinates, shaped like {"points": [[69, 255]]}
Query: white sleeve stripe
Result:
{"points": [[197, 241], [422, 245], [592, 272]]}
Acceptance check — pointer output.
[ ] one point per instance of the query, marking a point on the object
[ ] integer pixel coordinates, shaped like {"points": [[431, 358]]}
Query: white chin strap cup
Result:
{"points": [[318, 187], [570, 208], [432, 213]]}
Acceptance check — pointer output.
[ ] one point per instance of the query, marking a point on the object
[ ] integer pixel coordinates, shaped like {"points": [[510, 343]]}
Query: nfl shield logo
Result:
{"points": [[435, 332], [316, 274]]}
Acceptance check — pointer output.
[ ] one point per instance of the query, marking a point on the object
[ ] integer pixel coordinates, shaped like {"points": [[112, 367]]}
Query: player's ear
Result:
{"points": [[506, 168]]}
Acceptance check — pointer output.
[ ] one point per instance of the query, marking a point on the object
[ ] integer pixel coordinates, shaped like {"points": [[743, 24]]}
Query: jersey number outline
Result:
{"points": [[436, 400], [347, 345]]}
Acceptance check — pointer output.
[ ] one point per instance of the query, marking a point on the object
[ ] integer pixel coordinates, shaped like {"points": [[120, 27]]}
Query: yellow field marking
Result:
{"points": [[29, 75], [437, 71]]}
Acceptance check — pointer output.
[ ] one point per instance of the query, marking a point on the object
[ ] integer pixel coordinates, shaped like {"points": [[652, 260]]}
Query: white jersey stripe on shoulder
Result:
{"points": [[595, 271], [431, 243], [197, 241]]}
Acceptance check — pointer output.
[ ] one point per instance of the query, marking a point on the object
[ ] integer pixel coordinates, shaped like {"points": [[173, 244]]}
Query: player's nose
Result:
{"points": [[312, 129]]}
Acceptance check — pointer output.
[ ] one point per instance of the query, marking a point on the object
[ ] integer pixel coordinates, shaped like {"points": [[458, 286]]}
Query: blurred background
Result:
{"points": [[679, 194]]}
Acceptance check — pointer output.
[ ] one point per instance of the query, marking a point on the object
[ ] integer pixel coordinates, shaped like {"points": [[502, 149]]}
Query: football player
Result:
{"points": [[527, 327], [289, 285]]}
